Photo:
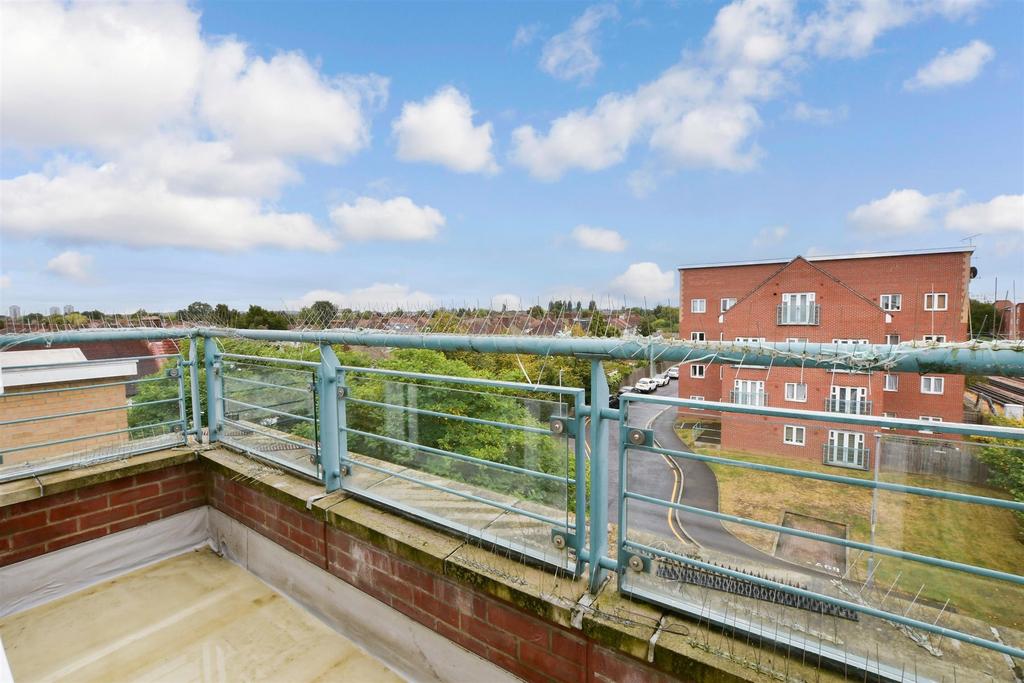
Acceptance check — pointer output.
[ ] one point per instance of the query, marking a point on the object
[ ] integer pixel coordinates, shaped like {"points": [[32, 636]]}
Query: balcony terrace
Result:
{"points": [[440, 526]]}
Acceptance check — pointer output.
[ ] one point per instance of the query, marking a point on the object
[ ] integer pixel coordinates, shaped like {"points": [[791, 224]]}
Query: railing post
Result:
{"points": [[330, 388], [598, 473], [214, 387], [193, 382]]}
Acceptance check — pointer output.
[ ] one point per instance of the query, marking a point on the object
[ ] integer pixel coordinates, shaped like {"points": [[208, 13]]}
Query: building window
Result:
{"points": [[749, 340], [936, 301], [696, 398], [749, 392], [930, 418], [892, 339], [892, 383], [891, 302], [698, 305], [848, 400], [939, 338], [697, 371], [726, 304], [796, 340], [798, 308], [933, 385], [850, 342], [696, 336], [845, 449], [888, 415], [794, 435], [796, 391]]}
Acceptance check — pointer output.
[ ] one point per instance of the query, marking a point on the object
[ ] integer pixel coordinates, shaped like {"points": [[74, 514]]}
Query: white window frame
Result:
{"points": [[891, 382], [796, 393], [930, 418], [851, 342], [796, 340], [937, 338], [888, 415], [726, 303], [931, 301], [750, 391], [891, 302], [802, 302], [698, 371], [790, 434], [750, 340], [697, 336], [929, 384], [696, 398], [839, 439], [698, 305], [888, 339]]}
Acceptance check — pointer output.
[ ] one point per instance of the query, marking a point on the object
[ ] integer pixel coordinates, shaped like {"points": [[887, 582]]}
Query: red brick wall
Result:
{"points": [[844, 315], [523, 644], [50, 523]]}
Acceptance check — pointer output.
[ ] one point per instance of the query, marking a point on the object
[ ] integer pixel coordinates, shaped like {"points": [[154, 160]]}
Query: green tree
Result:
{"points": [[320, 313], [196, 311], [259, 318], [1005, 460], [984, 318]]}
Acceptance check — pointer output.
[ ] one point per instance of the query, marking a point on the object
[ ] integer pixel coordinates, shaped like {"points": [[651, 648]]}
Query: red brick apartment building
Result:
{"points": [[880, 298]]}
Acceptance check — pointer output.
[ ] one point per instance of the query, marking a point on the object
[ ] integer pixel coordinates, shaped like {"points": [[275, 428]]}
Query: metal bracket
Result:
{"points": [[640, 437], [342, 393], [562, 539], [638, 564], [172, 372], [560, 426]]}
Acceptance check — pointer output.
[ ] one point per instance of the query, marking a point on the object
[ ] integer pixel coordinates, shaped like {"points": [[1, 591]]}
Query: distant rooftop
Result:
{"points": [[831, 257]]}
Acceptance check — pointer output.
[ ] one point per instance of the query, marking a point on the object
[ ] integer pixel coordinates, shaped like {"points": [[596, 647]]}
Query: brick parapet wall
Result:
{"points": [[533, 624], [42, 525]]}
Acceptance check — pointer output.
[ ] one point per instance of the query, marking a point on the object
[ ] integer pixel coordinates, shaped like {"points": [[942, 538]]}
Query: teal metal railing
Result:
{"points": [[702, 545], [526, 467], [90, 415]]}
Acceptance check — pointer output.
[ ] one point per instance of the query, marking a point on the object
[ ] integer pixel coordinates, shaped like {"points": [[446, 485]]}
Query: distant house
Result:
{"points": [[46, 382]]}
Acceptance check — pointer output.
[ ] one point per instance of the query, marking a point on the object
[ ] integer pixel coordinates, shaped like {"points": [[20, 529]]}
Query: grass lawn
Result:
{"points": [[972, 534]]}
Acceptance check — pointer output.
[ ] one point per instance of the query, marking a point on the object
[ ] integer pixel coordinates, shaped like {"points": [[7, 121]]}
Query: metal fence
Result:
{"points": [[89, 411], [526, 467]]}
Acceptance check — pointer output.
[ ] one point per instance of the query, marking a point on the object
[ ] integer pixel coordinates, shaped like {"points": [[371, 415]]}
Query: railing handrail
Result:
{"points": [[1001, 357]]}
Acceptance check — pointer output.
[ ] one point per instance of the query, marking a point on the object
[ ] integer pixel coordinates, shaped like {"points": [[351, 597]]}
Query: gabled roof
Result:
{"points": [[817, 268]]}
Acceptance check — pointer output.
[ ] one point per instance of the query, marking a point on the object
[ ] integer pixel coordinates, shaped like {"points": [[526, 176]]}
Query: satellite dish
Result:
{"points": [[974, 272]]}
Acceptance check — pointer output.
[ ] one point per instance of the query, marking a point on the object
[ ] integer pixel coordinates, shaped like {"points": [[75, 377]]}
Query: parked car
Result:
{"points": [[673, 372], [646, 385], [661, 379]]}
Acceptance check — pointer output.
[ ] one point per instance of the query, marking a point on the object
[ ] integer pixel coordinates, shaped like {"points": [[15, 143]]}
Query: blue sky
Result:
{"points": [[426, 153]]}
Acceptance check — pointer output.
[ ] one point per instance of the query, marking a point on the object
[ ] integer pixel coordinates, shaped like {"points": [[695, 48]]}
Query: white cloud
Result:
{"points": [[5, 281], [952, 68], [645, 280], [642, 183], [900, 212], [509, 302], [571, 54], [1002, 213], [821, 116], [115, 203], [769, 236], [440, 130], [392, 219], [849, 29], [72, 265], [378, 296], [96, 74], [598, 239], [178, 140], [525, 34], [703, 111], [285, 106]]}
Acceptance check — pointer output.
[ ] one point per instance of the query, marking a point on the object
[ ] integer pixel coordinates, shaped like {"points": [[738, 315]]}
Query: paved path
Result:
{"points": [[674, 479]]}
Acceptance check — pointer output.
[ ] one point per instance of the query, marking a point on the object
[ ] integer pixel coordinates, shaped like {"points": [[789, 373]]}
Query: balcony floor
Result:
{"points": [[195, 617]]}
